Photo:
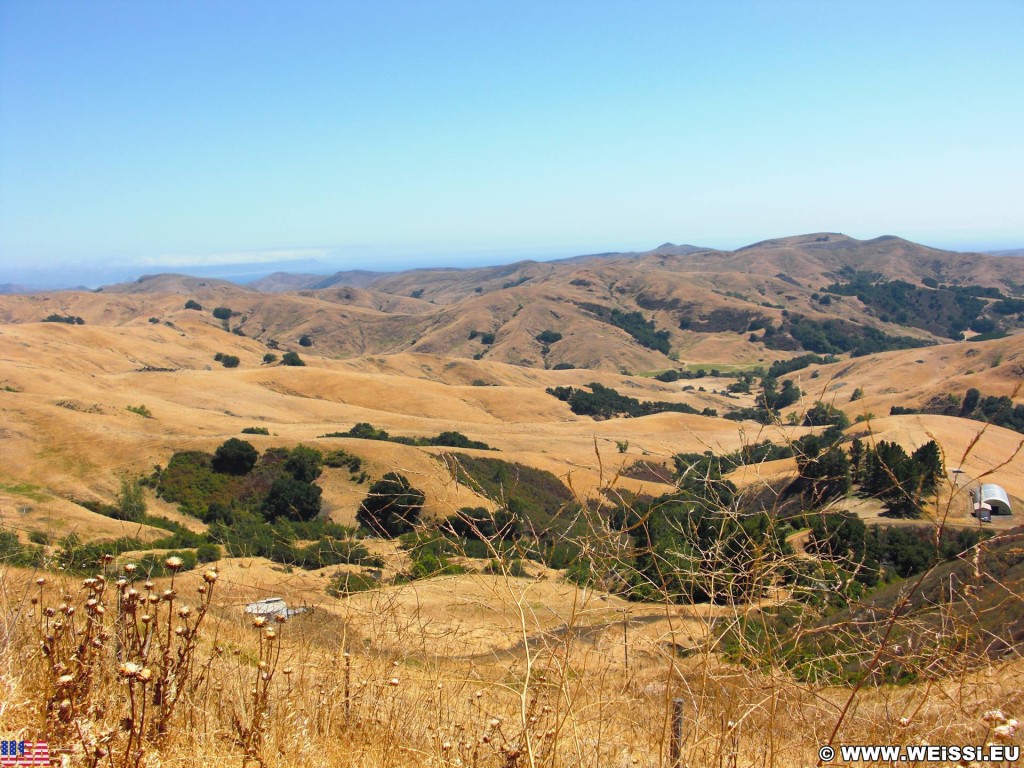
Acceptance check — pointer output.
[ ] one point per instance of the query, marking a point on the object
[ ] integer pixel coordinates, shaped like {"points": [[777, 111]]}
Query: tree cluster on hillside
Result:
{"points": [[991, 409], [605, 403], [259, 505], [1001, 410], [945, 311], [449, 439], [832, 337], [643, 331], [69, 319], [901, 481]]}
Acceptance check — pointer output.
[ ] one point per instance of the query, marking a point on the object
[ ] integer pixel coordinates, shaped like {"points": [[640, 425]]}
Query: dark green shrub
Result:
{"points": [[391, 507], [193, 304], [305, 341], [292, 499], [222, 313], [339, 458], [255, 431], [350, 583], [825, 414], [208, 553], [292, 358], [304, 463], [40, 537], [69, 319], [235, 457]]}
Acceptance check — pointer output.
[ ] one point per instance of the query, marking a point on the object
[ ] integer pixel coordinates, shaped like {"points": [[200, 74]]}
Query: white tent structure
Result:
{"points": [[990, 499], [273, 606]]}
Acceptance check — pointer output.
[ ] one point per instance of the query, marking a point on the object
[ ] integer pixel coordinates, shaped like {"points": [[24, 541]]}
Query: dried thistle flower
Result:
{"points": [[173, 563], [210, 576]]}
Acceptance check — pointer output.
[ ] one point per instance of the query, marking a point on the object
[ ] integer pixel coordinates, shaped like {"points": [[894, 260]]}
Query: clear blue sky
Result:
{"points": [[392, 133]]}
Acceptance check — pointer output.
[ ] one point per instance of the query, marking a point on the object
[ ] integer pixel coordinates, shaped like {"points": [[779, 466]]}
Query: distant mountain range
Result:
{"points": [[821, 293]]}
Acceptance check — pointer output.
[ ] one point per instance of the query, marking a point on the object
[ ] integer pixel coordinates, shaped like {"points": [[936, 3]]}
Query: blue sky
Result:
{"points": [[388, 134]]}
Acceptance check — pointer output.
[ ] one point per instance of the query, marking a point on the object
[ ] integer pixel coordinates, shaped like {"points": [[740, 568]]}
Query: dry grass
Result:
{"points": [[471, 670]]}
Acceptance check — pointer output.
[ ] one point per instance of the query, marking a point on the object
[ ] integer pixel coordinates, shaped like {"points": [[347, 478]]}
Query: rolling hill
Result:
{"points": [[425, 351]]}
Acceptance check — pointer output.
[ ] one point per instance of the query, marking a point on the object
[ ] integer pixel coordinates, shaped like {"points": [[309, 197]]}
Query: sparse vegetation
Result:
{"points": [[604, 403], [140, 410], [69, 319], [944, 311], [292, 358], [450, 439]]}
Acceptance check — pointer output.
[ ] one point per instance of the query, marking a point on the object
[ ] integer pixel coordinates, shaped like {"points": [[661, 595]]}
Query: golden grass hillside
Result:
{"points": [[479, 669]]}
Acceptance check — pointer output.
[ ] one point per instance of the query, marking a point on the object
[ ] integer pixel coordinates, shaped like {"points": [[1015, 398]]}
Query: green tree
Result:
{"points": [[970, 403], [292, 499], [824, 477], [208, 553], [292, 358], [392, 506], [130, 502], [825, 414], [548, 337], [235, 457], [304, 463]]}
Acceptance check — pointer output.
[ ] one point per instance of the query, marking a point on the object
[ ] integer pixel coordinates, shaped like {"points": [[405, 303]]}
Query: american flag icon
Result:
{"points": [[15, 754]]}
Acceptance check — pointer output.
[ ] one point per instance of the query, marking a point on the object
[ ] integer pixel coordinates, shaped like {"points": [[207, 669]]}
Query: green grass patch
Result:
{"points": [[29, 491]]}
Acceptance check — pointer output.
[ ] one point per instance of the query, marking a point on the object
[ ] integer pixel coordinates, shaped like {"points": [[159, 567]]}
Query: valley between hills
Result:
{"points": [[882, 342]]}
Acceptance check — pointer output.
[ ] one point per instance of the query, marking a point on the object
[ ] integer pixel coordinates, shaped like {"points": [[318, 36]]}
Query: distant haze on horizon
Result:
{"points": [[191, 137], [242, 267]]}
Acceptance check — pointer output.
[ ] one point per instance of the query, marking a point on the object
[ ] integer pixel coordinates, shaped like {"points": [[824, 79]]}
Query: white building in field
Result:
{"points": [[990, 499], [272, 607]]}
